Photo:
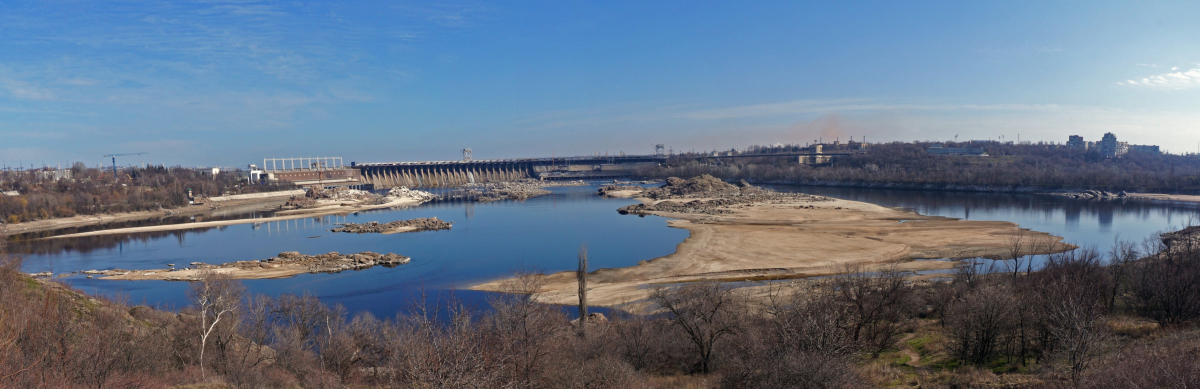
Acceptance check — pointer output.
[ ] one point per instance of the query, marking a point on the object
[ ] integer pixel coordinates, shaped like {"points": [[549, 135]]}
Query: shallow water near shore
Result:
{"points": [[1085, 223], [492, 240]]}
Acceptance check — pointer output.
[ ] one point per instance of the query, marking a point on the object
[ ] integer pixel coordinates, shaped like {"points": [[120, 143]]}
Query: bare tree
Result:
{"points": [[705, 311], [216, 296], [1165, 286], [976, 323], [1120, 258], [878, 304], [581, 276], [527, 330], [1017, 247]]}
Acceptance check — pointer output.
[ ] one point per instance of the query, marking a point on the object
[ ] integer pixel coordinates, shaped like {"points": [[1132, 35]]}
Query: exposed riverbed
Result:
{"points": [[493, 239]]}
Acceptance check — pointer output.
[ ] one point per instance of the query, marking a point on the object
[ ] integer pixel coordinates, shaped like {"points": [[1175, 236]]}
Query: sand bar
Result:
{"points": [[793, 238], [1165, 197]]}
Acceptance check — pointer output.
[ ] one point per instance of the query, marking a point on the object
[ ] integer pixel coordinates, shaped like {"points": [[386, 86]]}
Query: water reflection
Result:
{"points": [[1081, 222], [489, 240]]}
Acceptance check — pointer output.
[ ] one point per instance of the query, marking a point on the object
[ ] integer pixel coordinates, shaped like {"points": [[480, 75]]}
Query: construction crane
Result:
{"points": [[114, 161]]}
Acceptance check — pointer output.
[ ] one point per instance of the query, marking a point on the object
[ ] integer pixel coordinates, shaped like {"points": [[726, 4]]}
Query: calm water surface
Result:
{"points": [[494, 239], [487, 241], [1080, 222]]}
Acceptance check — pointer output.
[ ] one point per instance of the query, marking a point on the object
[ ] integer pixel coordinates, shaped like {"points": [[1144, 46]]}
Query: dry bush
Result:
{"points": [[528, 332], [1072, 292], [705, 313], [1170, 362], [650, 344], [880, 305], [1165, 287], [426, 352], [979, 322], [804, 341]]}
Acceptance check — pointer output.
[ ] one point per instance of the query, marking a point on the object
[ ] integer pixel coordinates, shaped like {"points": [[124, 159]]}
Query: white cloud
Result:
{"points": [[1175, 79]]}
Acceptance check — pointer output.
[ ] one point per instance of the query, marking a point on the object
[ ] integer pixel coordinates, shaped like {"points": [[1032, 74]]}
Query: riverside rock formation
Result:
{"points": [[512, 190], [611, 189], [707, 195], [411, 225]]}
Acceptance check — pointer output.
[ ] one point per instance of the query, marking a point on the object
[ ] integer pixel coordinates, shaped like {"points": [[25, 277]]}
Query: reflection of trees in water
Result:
{"points": [[158, 221], [87, 244], [965, 202]]}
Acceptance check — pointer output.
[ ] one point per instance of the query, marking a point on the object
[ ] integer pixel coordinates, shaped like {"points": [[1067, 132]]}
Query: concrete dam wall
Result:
{"points": [[442, 174]]}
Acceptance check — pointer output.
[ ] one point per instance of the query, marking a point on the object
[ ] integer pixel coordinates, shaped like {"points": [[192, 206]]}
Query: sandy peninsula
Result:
{"points": [[737, 236], [398, 197]]}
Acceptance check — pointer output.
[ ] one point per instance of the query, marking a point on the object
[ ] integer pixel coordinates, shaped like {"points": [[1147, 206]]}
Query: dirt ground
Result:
{"points": [[792, 239]]}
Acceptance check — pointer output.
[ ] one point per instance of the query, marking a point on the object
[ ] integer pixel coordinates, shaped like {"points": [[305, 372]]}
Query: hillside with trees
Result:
{"points": [[92, 191], [1028, 168]]}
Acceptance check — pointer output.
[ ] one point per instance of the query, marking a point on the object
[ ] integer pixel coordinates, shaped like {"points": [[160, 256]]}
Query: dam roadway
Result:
{"points": [[434, 174]]}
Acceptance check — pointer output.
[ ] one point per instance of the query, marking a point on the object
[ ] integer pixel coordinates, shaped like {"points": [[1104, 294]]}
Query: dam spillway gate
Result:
{"points": [[441, 174]]}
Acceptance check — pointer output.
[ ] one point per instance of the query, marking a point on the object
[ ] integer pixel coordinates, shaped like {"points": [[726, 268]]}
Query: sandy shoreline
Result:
{"points": [[89, 220], [326, 207], [1165, 197], [789, 239]]}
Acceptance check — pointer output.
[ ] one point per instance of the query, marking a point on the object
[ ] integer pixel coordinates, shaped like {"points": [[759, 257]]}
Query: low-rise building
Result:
{"points": [[1147, 149], [963, 151]]}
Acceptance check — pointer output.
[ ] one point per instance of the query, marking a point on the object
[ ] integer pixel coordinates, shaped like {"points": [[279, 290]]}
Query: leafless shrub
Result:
{"points": [[526, 330], [1071, 292], [1165, 286], [216, 297], [1168, 363], [643, 342], [977, 323], [454, 354], [803, 342], [1121, 256], [880, 305], [706, 312]]}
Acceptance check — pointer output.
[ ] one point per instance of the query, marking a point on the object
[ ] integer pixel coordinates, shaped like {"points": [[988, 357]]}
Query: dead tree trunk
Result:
{"points": [[581, 276]]}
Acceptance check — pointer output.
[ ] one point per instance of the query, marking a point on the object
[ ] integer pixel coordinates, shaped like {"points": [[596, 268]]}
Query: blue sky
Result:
{"points": [[230, 82]]}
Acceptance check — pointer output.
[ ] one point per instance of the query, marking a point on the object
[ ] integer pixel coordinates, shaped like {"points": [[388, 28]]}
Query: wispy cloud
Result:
{"points": [[1175, 79]]}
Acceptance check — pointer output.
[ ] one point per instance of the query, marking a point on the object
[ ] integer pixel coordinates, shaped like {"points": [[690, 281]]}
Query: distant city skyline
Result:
{"points": [[230, 83]]}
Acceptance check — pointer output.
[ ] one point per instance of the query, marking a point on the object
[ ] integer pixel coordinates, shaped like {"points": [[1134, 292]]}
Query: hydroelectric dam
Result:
{"points": [[434, 174]]}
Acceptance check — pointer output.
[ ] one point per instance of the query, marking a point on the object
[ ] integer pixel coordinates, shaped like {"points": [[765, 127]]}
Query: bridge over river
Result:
{"points": [[432, 174]]}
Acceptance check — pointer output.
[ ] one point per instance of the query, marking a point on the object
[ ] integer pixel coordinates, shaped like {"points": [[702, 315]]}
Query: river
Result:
{"points": [[491, 240]]}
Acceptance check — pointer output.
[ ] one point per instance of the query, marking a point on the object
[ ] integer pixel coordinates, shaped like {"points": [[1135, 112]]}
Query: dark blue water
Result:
{"points": [[488, 241], [492, 240]]}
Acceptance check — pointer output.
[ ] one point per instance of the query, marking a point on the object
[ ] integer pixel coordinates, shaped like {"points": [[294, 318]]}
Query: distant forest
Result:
{"points": [[92, 191], [1038, 167]]}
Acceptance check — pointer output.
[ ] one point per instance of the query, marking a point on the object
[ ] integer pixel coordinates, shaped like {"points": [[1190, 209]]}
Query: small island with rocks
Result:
{"points": [[399, 226], [286, 264]]}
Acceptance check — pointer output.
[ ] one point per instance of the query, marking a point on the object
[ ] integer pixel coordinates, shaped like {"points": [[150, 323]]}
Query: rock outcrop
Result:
{"points": [[411, 225]]}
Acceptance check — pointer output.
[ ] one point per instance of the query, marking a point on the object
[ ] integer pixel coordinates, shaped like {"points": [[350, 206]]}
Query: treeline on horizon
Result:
{"points": [[92, 191], [1026, 167], [1083, 320]]}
